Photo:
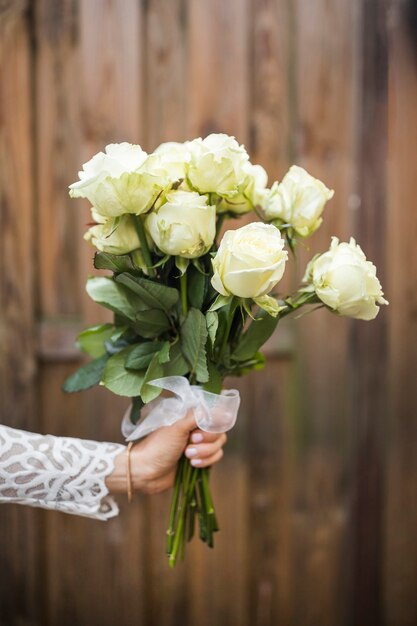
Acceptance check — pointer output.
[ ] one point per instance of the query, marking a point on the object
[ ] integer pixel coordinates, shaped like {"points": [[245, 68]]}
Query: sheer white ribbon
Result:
{"points": [[215, 413]]}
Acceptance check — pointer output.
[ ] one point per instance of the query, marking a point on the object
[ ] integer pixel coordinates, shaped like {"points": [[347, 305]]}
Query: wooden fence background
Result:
{"points": [[317, 494]]}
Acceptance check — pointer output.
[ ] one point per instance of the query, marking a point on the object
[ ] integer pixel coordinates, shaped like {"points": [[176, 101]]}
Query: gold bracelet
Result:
{"points": [[129, 473]]}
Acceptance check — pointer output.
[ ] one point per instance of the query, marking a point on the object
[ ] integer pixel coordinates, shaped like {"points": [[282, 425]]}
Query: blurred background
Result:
{"points": [[317, 494]]}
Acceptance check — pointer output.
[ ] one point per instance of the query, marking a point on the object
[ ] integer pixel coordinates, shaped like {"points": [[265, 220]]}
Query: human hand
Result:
{"points": [[153, 460]]}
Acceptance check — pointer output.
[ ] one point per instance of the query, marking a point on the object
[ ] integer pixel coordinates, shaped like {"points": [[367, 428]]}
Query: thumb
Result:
{"points": [[187, 423]]}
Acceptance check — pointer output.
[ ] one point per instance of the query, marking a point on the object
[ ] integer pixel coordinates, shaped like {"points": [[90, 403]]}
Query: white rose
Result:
{"points": [[117, 182], [250, 261], [117, 236], [185, 225], [345, 281], [172, 157], [298, 200], [217, 164], [251, 193]]}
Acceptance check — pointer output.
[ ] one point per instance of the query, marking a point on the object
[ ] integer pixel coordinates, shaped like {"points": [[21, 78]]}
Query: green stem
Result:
{"points": [[144, 244], [207, 495], [174, 503], [178, 544], [299, 301], [202, 509], [183, 288]]}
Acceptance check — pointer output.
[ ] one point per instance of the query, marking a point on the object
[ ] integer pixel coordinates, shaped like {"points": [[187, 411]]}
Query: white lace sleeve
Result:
{"points": [[59, 473]]}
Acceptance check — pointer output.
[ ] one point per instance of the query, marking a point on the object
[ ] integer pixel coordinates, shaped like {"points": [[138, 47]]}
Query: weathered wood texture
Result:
{"points": [[19, 553], [317, 493]]}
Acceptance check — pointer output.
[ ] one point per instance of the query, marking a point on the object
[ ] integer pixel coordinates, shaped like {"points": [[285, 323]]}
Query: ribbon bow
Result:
{"points": [[215, 413]]}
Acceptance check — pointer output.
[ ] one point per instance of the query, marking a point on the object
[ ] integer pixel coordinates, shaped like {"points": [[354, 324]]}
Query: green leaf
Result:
{"points": [[148, 392], [105, 291], [196, 287], [259, 361], [91, 340], [151, 323], [212, 321], [215, 381], [177, 365], [163, 355], [122, 338], [137, 405], [221, 329], [113, 262], [211, 294], [120, 380], [254, 338], [154, 295], [86, 376], [137, 260], [118, 332], [220, 301], [193, 341], [256, 363], [142, 354]]}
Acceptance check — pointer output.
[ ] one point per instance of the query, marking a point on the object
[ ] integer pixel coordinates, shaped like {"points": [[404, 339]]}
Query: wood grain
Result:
{"points": [[20, 561], [89, 92], [324, 135], [369, 341], [317, 494], [218, 91], [400, 542], [57, 159], [166, 71]]}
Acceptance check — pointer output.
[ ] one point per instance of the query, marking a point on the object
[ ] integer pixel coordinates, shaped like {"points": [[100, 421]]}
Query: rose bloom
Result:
{"points": [[298, 200], [345, 281], [250, 193], [117, 181], [250, 261], [117, 236], [185, 225], [172, 158], [217, 164]]}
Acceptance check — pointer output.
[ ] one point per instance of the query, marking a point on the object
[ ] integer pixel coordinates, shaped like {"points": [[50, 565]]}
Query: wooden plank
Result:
{"points": [[55, 340], [270, 468], [166, 72], [325, 92], [111, 78], [57, 124], [218, 96], [271, 81], [218, 90], [270, 476], [88, 79], [369, 342], [20, 592], [400, 553]]}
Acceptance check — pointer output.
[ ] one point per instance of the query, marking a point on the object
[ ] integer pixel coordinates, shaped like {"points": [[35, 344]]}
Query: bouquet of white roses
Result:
{"points": [[190, 306]]}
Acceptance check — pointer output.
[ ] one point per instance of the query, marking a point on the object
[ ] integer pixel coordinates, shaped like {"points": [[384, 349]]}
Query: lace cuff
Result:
{"points": [[60, 473]]}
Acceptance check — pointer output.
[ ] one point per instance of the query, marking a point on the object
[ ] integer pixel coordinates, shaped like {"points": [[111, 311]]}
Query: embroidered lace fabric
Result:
{"points": [[60, 473]]}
